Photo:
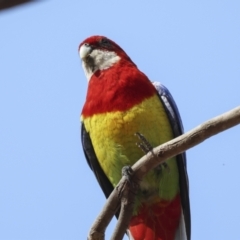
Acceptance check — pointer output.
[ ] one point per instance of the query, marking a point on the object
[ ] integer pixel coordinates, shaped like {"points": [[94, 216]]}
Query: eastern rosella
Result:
{"points": [[121, 101]]}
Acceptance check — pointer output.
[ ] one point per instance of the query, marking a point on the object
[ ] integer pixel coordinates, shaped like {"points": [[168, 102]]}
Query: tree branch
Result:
{"points": [[5, 4], [124, 192]]}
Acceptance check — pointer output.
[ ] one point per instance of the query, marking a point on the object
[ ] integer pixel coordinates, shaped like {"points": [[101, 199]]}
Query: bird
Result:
{"points": [[120, 102]]}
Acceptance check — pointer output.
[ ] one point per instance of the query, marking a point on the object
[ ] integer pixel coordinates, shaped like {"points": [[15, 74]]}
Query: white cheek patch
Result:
{"points": [[101, 60], [104, 59]]}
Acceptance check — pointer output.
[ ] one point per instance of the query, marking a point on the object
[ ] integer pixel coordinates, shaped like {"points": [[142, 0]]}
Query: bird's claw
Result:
{"points": [[127, 172], [162, 166], [146, 147], [144, 144]]}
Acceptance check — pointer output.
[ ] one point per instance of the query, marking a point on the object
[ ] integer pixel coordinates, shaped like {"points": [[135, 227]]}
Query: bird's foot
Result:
{"points": [[127, 172], [162, 166], [146, 147], [132, 185]]}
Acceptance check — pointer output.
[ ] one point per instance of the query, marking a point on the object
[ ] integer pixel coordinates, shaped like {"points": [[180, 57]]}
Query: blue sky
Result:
{"points": [[46, 188]]}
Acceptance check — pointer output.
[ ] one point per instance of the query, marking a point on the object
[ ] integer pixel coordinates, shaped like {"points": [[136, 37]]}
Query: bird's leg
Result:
{"points": [[131, 180], [127, 172], [146, 147], [144, 144]]}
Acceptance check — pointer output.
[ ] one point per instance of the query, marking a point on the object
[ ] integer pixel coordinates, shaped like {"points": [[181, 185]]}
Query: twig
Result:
{"points": [[97, 231], [5, 4]]}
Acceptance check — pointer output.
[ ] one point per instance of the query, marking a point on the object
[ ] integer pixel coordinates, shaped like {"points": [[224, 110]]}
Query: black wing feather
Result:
{"points": [[93, 163]]}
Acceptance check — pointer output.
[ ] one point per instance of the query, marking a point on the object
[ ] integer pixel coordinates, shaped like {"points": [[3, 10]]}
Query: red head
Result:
{"points": [[104, 44], [99, 53]]}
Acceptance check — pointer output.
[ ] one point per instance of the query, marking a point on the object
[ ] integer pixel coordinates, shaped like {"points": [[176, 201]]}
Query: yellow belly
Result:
{"points": [[114, 142]]}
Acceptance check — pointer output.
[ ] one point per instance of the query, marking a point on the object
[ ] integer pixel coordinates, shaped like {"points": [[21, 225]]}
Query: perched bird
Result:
{"points": [[120, 102]]}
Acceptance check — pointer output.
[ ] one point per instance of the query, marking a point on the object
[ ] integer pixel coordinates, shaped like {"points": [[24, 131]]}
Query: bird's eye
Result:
{"points": [[105, 42]]}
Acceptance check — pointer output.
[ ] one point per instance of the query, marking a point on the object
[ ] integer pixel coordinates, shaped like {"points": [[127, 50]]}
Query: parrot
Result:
{"points": [[120, 102]]}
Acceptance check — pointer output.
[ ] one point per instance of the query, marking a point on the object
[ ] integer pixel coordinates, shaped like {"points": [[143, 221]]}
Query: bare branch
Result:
{"points": [[127, 192], [5, 4], [187, 140], [97, 231], [151, 160]]}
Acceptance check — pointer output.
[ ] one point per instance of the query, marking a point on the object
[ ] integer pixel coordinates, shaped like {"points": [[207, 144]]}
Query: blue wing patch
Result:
{"points": [[176, 124]]}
